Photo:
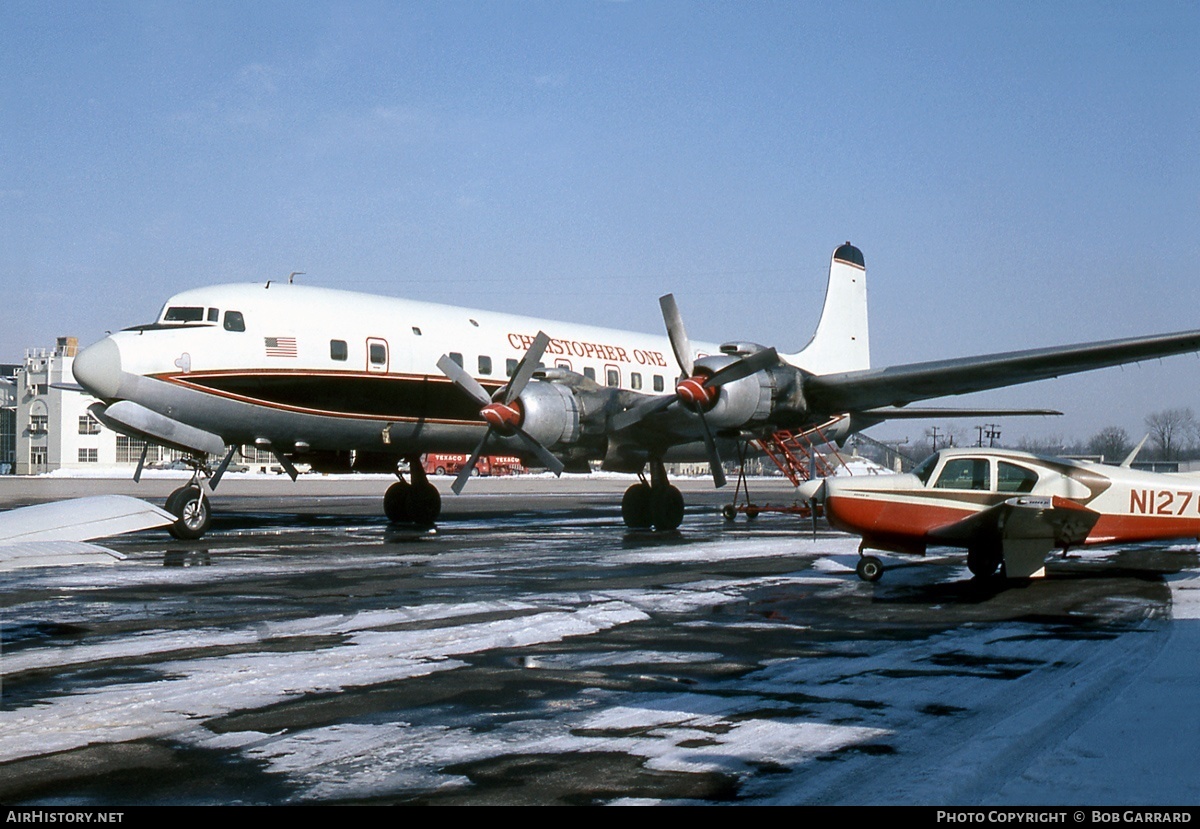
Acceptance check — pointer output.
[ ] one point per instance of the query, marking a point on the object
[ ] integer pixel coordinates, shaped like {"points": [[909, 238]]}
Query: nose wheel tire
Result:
{"points": [[869, 568], [192, 512]]}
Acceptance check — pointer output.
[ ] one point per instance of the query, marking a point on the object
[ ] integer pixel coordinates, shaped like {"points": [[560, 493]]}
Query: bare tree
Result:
{"points": [[1171, 430], [1110, 443]]}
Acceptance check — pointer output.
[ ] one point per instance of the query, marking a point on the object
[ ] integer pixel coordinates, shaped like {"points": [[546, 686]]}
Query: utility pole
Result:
{"points": [[992, 433]]}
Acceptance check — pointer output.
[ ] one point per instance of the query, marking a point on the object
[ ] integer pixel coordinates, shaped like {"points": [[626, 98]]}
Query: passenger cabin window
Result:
{"points": [[184, 314], [234, 321], [378, 353], [510, 367], [485, 365], [1013, 478], [456, 357], [635, 380], [589, 373], [612, 377], [965, 473], [339, 351], [658, 382]]}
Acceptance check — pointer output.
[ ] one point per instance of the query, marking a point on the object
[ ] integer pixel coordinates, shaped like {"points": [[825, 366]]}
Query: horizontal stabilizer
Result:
{"points": [[80, 519]]}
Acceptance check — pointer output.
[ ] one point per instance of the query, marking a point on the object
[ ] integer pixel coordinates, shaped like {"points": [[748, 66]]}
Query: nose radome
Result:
{"points": [[98, 368]]}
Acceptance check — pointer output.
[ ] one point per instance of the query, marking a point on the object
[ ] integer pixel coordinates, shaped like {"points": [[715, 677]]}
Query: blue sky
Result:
{"points": [[1017, 174]]}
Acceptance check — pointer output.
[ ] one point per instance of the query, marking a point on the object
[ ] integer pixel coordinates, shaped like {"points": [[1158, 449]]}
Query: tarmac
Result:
{"points": [[531, 650]]}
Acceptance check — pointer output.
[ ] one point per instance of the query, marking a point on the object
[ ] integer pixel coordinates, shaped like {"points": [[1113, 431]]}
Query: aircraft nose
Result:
{"points": [[98, 368]]}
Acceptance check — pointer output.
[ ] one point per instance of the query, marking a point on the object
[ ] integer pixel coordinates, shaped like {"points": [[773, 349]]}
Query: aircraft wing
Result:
{"points": [[80, 519], [855, 391], [1024, 528]]}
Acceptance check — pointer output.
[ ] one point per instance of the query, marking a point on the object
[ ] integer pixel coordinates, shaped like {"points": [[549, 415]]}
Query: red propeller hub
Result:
{"points": [[692, 390], [501, 416]]}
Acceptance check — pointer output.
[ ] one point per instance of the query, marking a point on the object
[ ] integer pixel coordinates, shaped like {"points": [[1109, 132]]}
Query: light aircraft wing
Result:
{"points": [[54, 534], [1024, 529], [856, 391]]}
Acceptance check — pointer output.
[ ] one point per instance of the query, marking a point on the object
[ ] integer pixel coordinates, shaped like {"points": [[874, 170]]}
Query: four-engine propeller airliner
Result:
{"points": [[1007, 508], [343, 380]]}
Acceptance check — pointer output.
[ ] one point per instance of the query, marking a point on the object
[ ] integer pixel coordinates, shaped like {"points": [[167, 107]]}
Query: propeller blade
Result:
{"points": [[744, 367], [461, 378], [548, 460], [526, 368], [680, 343], [464, 474], [714, 457]]}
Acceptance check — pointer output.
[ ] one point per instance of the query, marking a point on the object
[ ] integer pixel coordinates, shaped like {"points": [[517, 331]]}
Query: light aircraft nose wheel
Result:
{"points": [[869, 568], [191, 508]]}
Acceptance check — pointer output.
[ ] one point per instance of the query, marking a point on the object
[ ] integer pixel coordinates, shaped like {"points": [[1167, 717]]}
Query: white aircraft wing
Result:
{"points": [[51, 534]]}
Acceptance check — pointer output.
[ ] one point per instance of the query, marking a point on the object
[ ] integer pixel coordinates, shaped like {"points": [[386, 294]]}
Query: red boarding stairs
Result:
{"points": [[796, 456]]}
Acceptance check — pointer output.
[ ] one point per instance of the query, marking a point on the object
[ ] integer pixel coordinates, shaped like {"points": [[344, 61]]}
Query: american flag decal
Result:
{"points": [[280, 346]]}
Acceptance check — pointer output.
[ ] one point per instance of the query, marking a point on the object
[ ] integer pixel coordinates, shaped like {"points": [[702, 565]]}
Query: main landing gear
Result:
{"points": [[418, 502], [656, 504]]}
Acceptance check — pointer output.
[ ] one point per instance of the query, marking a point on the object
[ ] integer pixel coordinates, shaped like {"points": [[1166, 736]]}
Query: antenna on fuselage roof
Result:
{"points": [[294, 274]]}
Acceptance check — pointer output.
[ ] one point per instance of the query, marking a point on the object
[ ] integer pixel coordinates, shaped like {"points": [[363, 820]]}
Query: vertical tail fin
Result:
{"points": [[841, 342]]}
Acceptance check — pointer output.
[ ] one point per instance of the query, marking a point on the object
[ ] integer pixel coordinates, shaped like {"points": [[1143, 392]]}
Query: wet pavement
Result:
{"points": [[531, 650]]}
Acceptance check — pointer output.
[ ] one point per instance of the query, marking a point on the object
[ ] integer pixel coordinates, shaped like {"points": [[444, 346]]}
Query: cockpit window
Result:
{"points": [[213, 315], [1013, 478], [184, 314], [925, 468], [234, 321], [965, 473]]}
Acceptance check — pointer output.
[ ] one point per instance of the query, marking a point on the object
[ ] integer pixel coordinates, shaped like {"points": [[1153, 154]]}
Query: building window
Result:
{"points": [[38, 424], [88, 455], [485, 365], [658, 382], [338, 350], [88, 425], [37, 455], [129, 450]]}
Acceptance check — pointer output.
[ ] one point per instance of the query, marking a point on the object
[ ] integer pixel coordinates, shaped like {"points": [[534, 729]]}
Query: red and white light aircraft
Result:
{"points": [[343, 380], [1007, 508]]}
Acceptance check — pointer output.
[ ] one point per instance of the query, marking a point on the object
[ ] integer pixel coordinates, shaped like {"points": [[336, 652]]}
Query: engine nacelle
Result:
{"points": [[550, 414], [741, 401]]}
